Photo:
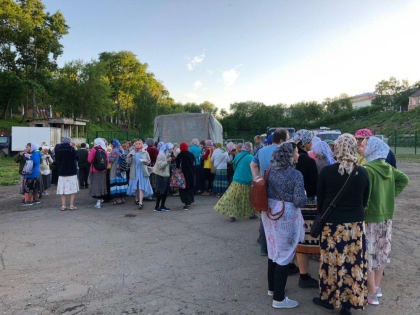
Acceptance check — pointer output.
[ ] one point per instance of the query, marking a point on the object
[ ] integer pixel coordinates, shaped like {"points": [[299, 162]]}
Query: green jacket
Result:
{"points": [[386, 183], [242, 169]]}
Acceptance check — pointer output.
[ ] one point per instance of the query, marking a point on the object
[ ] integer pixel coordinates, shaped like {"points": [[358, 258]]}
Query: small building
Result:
{"points": [[362, 100], [73, 128], [414, 100]]}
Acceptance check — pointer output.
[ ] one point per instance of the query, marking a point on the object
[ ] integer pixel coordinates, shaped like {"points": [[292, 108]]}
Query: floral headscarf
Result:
{"points": [[346, 148], [66, 140], [303, 136], [209, 143], [247, 147], [230, 146], [166, 147], [363, 133], [376, 149], [321, 148], [282, 157]]}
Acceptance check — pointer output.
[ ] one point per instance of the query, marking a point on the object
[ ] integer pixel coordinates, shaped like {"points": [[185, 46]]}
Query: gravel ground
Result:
{"points": [[99, 261]]}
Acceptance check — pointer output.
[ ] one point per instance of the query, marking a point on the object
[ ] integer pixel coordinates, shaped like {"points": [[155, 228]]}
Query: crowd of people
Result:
{"points": [[355, 176], [356, 179]]}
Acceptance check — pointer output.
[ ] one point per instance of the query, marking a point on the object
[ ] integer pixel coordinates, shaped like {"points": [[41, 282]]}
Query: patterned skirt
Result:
{"points": [[343, 269], [378, 243], [220, 183], [67, 185], [235, 202], [310, 245], [118, 185]]}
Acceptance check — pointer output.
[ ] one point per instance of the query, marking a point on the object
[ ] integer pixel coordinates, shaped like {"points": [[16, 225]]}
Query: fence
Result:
{"points": [[404, 143], [110, 135]]}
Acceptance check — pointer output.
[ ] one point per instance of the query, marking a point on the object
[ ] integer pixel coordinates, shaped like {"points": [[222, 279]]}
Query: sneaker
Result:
{"points": [[322, 303], [378, 292], [158, 210], [165, 209], [308, 282], [98, 205], [26, 204], [186, 207], [373, 299], [45, 193], [286, 303], [37, 202], [270, 293]]}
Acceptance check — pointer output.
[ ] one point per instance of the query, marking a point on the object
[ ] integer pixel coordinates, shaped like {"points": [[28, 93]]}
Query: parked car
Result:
{"points": [[5, 146]]}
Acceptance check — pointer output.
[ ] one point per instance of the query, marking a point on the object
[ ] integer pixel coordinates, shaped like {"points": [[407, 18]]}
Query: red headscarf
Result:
{"points": [[363, 133], [183, 146]]}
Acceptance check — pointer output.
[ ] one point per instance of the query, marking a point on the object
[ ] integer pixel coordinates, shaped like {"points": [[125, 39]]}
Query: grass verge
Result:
{"points": [[409, 157], [9, 172]]}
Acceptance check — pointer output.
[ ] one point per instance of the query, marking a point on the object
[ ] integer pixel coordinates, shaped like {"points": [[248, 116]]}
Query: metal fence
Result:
{"points": [[404, 143], [110, 135]]}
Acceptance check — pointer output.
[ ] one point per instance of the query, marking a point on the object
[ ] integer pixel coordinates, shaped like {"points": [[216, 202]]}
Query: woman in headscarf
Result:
{"points": [[68, 183], [153, 153], [220, 159], [161, 169], [361, 135], [186, 161], [386, 183], [284, 183], [31, 183], [207, 168], [343, 264], [139, 161], [307, 166], [98, 158], [196, 151], [231, 148], [45, 167], [235, 201], [117, 174], [323, 155], [311, 153]]}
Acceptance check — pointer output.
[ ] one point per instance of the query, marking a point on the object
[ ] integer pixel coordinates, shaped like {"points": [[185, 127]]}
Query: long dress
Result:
{"points": [[141, 180], [118, 179], [185, 160]]}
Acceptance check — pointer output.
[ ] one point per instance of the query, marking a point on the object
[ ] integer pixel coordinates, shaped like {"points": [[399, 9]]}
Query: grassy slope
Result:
{"points": [[383, 123]]}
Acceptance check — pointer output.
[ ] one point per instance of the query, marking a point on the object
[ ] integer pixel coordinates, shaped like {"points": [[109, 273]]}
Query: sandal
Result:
{"points": [[73, 208], [140, 206], [63, 208]]}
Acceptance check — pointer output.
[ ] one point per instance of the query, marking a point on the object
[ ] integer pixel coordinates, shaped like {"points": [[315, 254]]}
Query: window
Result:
{"points": [[3, 140]]}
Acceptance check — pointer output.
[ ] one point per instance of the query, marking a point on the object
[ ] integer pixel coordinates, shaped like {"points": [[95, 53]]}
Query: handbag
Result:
{"points": [[28, 167], [178, 179], [258, 196], [319, 222]]}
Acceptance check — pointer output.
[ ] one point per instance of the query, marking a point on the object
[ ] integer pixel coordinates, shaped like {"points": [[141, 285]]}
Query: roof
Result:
{"points": [[364, 94], [416, 93]]}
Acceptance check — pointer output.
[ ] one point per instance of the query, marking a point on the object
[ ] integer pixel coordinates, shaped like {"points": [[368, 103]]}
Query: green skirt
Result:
{"points": [[235, 202]]}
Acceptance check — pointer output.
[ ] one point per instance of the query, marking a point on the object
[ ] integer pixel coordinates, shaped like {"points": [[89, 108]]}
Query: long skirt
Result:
{"points": [[220, 183], [162, 185], [97, 188], [378, 243], [310, 245], [235, 202], [67, 185], [343, 269], [187, 195], [31, 186], [143, 183], [118, 185], [284, 234]]}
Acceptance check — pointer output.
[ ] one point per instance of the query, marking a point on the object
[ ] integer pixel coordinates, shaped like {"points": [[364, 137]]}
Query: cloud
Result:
{"points": [[192, 62], [198, 84], [230, 77], [191, 96]]}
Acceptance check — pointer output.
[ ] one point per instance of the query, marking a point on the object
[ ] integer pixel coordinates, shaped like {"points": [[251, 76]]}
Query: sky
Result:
{"points": [[270, 51]]}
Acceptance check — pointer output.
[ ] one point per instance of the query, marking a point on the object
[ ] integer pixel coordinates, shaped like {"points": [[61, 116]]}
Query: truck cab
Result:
{"points": [[5, 146], [327, 134]]}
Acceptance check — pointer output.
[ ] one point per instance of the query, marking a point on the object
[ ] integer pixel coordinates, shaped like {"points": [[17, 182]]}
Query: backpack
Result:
{"points": [[100, 160], [122, 161], [259, 198]]}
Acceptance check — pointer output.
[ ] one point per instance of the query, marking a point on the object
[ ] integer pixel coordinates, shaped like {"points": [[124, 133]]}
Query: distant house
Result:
{"points": [[414, 100], [362, 100], [67, 127]]}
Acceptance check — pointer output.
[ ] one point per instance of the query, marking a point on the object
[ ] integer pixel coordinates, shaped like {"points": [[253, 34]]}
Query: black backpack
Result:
{"points": [[100, 160]]}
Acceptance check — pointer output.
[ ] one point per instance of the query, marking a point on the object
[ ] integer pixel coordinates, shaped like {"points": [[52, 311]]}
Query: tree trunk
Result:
{"points": [[6, 109], [35, 109]]}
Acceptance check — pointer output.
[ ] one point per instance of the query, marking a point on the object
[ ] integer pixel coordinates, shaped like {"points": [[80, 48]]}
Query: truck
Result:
{"points": [[184, 127], [326, 134], [21, 136]]}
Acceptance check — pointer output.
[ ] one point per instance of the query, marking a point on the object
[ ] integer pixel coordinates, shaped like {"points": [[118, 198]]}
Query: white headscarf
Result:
{"points": [[34, 147], [321, 148], [100, 142], [376, 149], [166, 147]]}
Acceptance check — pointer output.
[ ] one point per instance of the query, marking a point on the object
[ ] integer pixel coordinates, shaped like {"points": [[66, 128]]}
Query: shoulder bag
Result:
{"points": [[319, 221]]}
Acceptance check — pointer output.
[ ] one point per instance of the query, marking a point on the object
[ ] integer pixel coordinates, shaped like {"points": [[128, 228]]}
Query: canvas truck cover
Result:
{"points": [[185, 127]]}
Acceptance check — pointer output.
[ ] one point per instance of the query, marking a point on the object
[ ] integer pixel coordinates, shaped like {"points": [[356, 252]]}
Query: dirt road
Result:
{"points": [[99, 261]]}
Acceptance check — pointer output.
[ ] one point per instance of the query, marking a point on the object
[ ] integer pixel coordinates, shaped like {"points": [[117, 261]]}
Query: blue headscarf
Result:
{"points": [[376, 149], [323, 149]]}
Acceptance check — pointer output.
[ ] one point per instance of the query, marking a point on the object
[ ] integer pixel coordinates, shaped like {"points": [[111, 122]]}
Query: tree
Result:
{"points": [[389, 94], [338, 104], [207, 107]]}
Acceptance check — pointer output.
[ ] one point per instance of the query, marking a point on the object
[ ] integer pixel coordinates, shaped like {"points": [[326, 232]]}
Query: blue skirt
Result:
{"points": [[143, 184]]}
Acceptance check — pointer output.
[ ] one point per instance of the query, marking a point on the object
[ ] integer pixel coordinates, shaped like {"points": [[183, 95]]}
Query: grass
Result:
{"points": [[409, 157], [9, 172]]}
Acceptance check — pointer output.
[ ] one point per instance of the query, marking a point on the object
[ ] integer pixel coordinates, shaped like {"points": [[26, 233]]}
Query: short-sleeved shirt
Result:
{"points": [[263, 157]]}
